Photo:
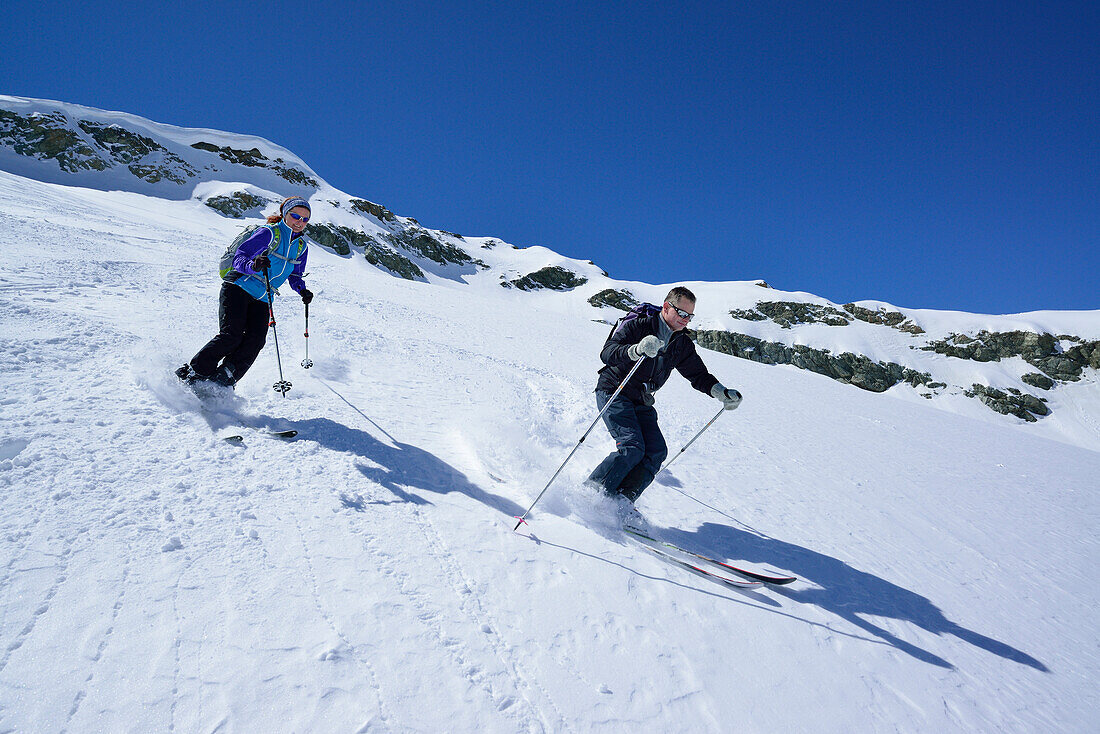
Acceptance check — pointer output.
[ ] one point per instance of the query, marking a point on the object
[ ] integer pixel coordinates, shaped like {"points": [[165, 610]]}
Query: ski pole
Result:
{"points": [[523, 518], [307, 362], [689, 443], [282, 385]]}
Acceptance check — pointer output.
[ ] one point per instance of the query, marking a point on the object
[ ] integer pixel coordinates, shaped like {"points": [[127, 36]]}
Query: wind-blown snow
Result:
{"points": [[365, 577]]}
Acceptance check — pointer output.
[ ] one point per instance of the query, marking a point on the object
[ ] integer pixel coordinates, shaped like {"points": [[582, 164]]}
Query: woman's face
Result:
{"points": [[297, 218]]}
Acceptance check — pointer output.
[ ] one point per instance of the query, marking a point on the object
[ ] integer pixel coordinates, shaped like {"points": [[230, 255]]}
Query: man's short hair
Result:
{"points": [[677, 293]]}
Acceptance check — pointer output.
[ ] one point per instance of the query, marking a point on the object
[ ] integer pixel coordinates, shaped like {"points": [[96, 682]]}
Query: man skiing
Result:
{"points": [[657, 335]]}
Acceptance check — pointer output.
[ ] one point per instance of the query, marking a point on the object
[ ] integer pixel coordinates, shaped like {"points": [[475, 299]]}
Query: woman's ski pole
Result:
{"points": [[307, 362], [523, 518], [282, 385]]}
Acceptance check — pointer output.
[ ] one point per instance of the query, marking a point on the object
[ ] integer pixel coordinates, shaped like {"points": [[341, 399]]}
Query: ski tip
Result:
{"points": [[234, 439]]}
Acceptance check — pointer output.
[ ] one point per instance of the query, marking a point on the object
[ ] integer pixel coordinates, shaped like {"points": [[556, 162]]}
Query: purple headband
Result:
{"points": [[291, 203]]}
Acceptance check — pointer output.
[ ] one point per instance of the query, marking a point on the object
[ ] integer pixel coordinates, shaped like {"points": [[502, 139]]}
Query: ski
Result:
{"points": [[735, 583], [282, 434], [237, 438], [755, 575]]}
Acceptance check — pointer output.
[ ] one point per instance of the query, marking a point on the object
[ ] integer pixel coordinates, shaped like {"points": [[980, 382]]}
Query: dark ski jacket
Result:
{"points": [[679, 354]]}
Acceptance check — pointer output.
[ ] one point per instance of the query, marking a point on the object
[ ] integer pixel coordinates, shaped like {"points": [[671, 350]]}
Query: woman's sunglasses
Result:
{"points": [[297, 217]]}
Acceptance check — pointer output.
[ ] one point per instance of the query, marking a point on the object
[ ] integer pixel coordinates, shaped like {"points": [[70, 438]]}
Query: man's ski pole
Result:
{"points": [[307, 362], [523, 518], [282, 385], [689, 443]]}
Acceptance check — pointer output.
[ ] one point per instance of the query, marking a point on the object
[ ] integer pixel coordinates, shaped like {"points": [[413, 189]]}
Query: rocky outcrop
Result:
{"points": [[750, 314], [253, 158], [342, 239], [552, 277], [1042, 351], [790, 313], [327, 236], [853, 369], [144, 157], [623, 300], [377, 211], [1010, 402], [53, 137], [420, 242], [893, 319], [49, 137], [1038, 380], [237, 204]]}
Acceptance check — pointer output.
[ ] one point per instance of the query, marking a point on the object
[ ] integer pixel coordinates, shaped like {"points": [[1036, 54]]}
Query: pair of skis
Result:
{"points": [[717, 570]]}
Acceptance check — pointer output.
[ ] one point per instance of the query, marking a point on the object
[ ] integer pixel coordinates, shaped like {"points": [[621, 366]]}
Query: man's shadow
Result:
{"points": [[844, 591], [398, 467]]}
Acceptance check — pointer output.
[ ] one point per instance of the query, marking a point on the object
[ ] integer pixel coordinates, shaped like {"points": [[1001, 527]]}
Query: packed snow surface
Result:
{"points": [[365, 577]]}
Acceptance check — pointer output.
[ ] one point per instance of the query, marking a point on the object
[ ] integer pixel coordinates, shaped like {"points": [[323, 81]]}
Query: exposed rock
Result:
{"points": [[1039, 350], [377, 211], [854, 369], [553, 277], [893, 319], [255, 159], [1038, 380], [1021, 405], [236, 204], [327, 236], [48, 137], [420, 242], [144, 157], [623, 300], [748, 315], [788, 313], [341, 239]]}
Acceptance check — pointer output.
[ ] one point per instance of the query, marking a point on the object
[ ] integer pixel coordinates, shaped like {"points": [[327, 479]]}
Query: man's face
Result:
{"points": [[679, 314]]}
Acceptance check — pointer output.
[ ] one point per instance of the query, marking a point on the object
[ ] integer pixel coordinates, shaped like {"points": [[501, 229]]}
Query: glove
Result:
{"points": [[730, 398], [260, 263], [647, 347], [307, 295]]}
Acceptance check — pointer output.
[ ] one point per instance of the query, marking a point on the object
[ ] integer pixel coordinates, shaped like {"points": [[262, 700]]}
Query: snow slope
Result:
{"points": [[365, 577]]}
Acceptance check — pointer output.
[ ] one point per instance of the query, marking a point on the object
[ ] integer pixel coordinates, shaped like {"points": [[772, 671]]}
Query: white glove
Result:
{"points": [[647, 347], [730, 398]]}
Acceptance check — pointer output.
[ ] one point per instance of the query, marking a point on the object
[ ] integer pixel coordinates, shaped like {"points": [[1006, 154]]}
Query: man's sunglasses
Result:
{"points": [[297, 217], [682, 314]]}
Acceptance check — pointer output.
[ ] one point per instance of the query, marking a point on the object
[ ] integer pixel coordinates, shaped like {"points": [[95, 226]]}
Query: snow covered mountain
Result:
{"points": [[1024, 366], [365, 575]]}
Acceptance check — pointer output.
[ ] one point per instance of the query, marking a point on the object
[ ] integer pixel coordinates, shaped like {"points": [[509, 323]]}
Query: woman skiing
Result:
{"points": [[272, 254]]}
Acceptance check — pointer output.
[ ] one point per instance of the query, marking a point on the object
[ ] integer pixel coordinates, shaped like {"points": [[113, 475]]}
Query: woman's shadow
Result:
{"points": [[844, 591], [400, 468]]}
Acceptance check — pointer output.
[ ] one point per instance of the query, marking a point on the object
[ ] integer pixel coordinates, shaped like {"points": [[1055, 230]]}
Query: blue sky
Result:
{"points": [[936, 155]]}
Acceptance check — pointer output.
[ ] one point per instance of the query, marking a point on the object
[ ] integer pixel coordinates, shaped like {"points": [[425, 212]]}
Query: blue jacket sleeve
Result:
{"points": [[250, 248]]}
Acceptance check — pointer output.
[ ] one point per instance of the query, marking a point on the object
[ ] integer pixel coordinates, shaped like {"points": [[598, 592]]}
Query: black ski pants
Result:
{"points": [[243, 323], [640, 449]]}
